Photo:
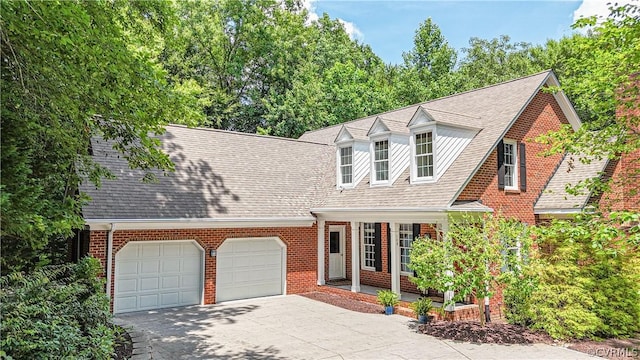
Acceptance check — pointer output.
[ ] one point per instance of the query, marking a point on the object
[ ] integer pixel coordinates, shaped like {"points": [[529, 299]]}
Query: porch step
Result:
{"points": [[465, 312]]}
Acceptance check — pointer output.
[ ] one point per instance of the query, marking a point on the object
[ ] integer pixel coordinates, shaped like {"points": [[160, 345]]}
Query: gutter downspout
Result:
{"points": [[110, 257]]}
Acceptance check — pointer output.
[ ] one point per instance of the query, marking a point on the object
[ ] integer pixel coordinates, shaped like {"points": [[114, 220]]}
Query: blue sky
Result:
{"points": [[389, 26]]}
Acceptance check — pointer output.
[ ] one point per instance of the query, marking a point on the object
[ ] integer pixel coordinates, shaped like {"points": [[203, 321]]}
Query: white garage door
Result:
{"points": [[153, 275], [248, 268]]}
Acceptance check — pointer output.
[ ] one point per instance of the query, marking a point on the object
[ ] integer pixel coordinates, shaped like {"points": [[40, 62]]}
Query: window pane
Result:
{"points": [[381, 162], [346, 165], [424, 154], [369, 245], [509, 164], [406, 240], [334, 242]]}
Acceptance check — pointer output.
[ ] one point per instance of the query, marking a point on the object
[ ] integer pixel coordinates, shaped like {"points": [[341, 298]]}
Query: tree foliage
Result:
{"points": [[73, 70], [59, 311], [585, 281], [470, 258]]}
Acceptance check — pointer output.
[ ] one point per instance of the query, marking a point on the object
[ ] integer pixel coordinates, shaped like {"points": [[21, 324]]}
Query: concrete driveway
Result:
{"points": [[294, 327]]}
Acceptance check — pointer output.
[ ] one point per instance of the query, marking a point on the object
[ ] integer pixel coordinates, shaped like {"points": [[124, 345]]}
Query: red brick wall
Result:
{"points": [[542, 115], [301, 250]]}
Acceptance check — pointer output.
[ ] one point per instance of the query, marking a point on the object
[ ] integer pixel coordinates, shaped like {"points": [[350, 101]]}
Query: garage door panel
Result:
{"points": [[126, 302], [171, 249], [249, 268], [150, 266], [170, 299], [128, 285], [188, 249], [170, 282], [188, 281], [127, 268], [155, 275], [191, 266], [150, 250], [149, 283], [171, 265]]}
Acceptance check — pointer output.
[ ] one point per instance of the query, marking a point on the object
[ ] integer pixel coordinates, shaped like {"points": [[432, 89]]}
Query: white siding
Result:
{"points": [[361, 161], [450, 142], [400, 155]]}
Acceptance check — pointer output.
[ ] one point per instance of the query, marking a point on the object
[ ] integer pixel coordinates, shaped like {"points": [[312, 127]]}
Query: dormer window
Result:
{"points": [[346, 165], [424, 155], [381, 161]]}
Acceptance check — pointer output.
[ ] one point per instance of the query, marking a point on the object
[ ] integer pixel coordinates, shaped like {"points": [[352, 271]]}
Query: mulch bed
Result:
{"points": [[493, 333], [124, 346], [349, 304]]}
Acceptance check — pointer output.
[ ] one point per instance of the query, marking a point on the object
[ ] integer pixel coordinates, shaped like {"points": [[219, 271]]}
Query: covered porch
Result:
{"points": [[363, 251]]}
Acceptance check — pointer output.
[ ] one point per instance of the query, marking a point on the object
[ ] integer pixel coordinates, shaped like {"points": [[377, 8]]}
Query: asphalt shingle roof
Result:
{"points": [[492, 109], [221, 174], [570, 171], [218, 174]]}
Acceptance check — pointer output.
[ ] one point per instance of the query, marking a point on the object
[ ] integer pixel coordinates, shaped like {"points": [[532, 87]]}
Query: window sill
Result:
{"points": [[512, 191], [364, 268]]}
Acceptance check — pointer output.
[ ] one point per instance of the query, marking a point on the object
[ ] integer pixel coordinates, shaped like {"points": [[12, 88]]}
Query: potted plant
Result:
{"points": [[388, 299], [421, 307]]}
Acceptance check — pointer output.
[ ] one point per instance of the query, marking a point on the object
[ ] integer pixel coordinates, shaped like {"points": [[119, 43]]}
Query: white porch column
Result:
{"points": [[321, 248], [355, 257], [395, 258], [448, 295]]}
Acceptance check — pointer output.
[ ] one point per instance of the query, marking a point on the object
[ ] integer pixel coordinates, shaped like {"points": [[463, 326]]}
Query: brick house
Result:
{"points": [[246, 216]]}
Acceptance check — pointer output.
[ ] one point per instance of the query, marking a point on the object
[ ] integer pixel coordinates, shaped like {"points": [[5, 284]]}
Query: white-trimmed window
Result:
{"points": [[510, 165], [369, 246], [346, 165], [381, 160], [406, 240], [424, 155]]}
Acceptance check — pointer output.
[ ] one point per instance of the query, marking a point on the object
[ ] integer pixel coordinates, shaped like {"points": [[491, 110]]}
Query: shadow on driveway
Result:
{"points": [[195, 332]]}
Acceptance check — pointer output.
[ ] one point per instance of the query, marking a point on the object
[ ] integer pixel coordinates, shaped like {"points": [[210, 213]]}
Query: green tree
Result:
{"points": [[71, 71], [470, 259], [601, 79], [428, 67], [488, 62]]}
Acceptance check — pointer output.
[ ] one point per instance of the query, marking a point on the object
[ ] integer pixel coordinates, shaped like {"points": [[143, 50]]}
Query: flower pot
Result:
{"points": [[423, 319], [388, 310]]}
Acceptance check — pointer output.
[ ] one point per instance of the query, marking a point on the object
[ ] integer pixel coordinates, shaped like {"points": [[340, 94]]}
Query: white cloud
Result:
{"points": [[600, 8], [308, 5], [351, 28]]}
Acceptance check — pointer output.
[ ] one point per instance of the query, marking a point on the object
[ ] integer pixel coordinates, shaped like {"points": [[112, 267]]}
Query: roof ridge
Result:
{"points": [[432, 100], [231, 132]]}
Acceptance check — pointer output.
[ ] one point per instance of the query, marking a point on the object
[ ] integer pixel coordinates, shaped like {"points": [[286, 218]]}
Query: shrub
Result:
{"points": [[422, 306], [56, 312], [584, 284]]}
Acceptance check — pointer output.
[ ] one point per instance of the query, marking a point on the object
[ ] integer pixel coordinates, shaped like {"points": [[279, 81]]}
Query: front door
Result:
{"points": [[336, 252]]}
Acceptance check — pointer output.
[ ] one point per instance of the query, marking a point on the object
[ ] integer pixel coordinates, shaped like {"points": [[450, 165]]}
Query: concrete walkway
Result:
{"points": [[294, 327]]}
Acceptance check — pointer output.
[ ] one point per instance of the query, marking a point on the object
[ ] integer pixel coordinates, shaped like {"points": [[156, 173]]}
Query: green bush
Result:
{"points": [[516, 296], [585, 281], [56, 312]]}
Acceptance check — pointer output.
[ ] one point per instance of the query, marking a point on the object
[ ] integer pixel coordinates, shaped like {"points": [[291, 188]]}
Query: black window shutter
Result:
{"points": [[523, 168], [388, 249], [501, 165], [378, 247], [416, 233]]}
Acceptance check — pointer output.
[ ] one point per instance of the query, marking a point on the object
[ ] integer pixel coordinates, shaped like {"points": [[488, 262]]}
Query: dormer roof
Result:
{"points": [[382, 125], [349, 133], [424, 116]]}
